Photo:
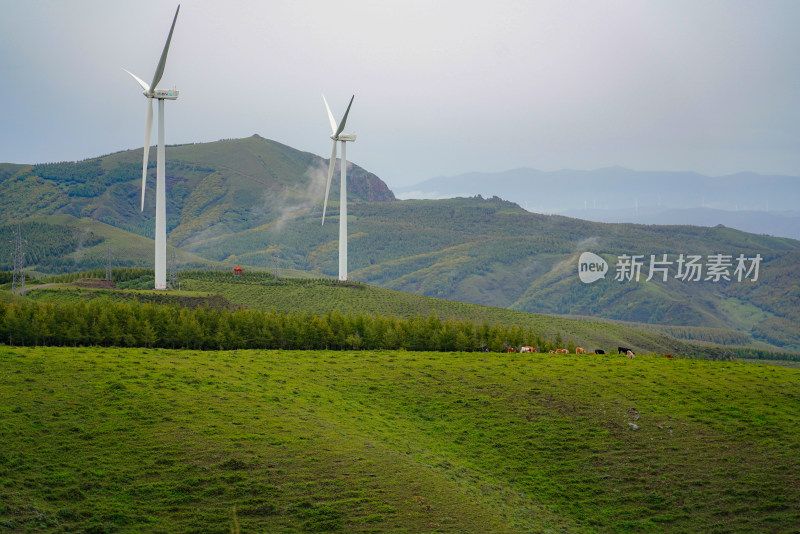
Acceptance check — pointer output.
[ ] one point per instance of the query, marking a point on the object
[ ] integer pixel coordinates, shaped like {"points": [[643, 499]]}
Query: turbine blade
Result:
{"points": [[148, 130], [141, 81], [330, 177], [163, 61], [330, 115], [344, 119]]}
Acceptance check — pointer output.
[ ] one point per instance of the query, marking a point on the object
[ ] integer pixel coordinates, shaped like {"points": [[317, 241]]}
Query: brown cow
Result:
{"points": [[526, 348], [511, 349], [580, 350], [631, 355], [562, 351]]}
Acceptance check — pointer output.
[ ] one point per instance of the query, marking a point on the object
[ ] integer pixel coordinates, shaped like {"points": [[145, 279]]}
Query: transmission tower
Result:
{"points": [[18, 282], [275, 267], [108, 263]]}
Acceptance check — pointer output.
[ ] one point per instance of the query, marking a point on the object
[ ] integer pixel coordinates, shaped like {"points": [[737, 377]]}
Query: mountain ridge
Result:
{"points": [[230, 177], [615, 193]]}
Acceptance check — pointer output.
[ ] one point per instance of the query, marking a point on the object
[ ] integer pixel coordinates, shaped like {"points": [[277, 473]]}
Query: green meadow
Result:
{"points": [[145, 440]]}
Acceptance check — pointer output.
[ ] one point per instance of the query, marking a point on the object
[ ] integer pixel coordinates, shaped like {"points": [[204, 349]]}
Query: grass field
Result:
{"points": [[133, 440]]}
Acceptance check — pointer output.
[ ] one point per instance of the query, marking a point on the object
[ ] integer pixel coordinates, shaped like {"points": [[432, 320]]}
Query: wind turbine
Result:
{"points": [[337, 135], [152, 92]]}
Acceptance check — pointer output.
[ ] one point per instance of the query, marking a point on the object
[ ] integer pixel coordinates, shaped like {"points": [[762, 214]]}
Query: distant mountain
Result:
{"points": [[617, 194], [783, 223]]}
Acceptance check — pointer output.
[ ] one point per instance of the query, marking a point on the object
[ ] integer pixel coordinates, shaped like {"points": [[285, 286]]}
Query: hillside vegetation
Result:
{"points": [[214, 188], [319, 314], [121, 440], [493, 253], [258, 203], [64, 244]]}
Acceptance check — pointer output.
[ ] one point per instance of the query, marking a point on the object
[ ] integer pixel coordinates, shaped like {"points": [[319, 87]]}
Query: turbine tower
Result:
{"points": [[337, 135], [152, 92]]}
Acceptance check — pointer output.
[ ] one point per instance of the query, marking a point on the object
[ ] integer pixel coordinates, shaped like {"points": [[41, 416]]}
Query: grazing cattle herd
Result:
{"points": [[624, 351], [578, 350]]}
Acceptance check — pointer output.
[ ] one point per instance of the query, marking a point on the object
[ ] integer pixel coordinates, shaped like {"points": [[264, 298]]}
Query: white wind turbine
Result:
{"points": [[151, 92], [337, 135]]}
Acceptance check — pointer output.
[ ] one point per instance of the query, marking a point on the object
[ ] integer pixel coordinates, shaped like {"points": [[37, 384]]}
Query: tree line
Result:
{"points": [[101, 322]]}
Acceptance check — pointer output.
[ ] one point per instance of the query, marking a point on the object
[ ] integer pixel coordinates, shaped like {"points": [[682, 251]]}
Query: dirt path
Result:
{"points": [[40, 286]]}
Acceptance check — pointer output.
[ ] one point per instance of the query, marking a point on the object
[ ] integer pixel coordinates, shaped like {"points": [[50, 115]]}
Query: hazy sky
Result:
{"points": [[442, 87]]}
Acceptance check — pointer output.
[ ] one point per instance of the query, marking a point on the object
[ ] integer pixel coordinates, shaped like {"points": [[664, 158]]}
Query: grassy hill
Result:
{"points": [[126, 440], [258, 203], [214, 188], [63, 243]]}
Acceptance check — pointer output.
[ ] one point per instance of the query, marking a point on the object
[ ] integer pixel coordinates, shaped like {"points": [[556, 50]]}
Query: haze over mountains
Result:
{"points": [[213, 189], [258, 203], [763, 204]]}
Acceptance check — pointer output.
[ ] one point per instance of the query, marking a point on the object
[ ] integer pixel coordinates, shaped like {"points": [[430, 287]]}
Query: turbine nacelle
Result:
{"points": [[158, 94], [165, 94], [344, 137]]}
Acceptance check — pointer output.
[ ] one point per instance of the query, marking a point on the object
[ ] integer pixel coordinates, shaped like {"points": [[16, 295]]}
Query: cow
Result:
{"points": [[552, 352], [623, 350], [668, 356], [599, 351], [580, 350], [526, 348], [562, 351], [511, 349], [631, 354]]}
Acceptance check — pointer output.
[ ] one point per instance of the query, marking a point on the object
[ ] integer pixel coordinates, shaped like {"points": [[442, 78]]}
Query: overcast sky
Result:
{"points": [[442, 87]]}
